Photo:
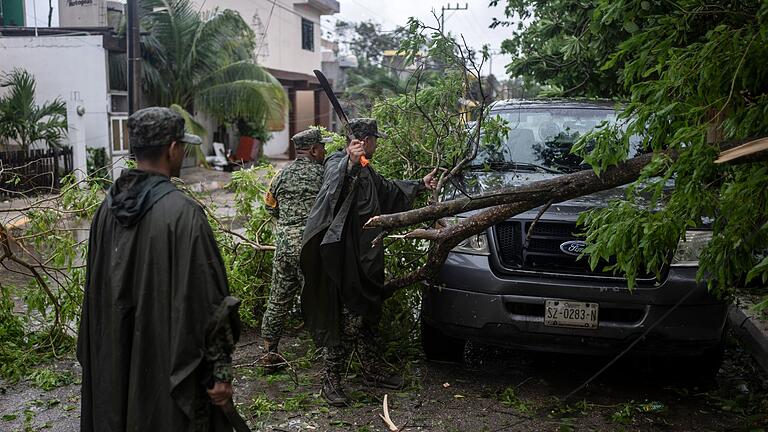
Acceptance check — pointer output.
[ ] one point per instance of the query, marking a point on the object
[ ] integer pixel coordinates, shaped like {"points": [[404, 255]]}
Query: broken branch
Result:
{"points": [[386, 418]]}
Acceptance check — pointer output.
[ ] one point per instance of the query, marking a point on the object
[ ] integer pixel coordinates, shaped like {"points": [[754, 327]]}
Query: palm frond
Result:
{"points": [[205, 62], [24, 121], [244, 90], [192, 126]]}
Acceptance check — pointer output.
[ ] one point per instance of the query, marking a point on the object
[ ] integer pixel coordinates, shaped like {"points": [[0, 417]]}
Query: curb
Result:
{"points": [[753, 337]]}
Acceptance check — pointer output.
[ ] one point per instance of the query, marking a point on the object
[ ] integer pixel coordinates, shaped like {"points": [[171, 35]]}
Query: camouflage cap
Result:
{"points": [[363, 127], [156, 126], [308, 138]]}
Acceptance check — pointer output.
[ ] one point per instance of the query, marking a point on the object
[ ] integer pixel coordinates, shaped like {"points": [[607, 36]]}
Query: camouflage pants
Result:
{"points": [[356, 336], [287, 281]]}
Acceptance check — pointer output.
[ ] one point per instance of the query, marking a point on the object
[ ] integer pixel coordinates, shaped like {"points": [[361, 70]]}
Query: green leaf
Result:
{"points": [[631, 27], [759, 269]]}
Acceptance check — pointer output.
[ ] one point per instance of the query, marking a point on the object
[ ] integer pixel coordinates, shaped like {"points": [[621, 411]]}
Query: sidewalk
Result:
{"points": [[200, 179], [12, 220]]}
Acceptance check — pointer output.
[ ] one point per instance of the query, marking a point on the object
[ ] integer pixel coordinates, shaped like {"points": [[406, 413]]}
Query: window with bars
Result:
{"points": [[307, 35], [119, 126]]}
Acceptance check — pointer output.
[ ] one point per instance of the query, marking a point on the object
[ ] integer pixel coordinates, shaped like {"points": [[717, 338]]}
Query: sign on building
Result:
{"points": [[83, 13]]}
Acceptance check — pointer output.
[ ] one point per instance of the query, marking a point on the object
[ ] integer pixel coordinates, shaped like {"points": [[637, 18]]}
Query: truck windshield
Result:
{"points": [[541, 139]]}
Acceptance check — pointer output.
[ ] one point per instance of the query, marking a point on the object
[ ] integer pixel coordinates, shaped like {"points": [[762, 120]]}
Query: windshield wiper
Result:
{"points": [[528, 165], [505, 165]]}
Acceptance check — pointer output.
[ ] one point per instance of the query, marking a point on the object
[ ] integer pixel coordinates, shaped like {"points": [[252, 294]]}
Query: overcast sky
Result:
{"points": [[472, 23]]}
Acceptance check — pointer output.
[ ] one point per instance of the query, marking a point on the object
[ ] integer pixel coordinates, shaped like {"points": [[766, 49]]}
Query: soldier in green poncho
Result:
{"points": [[344, 275], [158, 326], [289, 199]]}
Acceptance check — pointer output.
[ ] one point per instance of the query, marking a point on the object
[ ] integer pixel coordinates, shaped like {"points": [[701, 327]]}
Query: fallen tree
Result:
{"points": [[693, 91], [496, 207]]}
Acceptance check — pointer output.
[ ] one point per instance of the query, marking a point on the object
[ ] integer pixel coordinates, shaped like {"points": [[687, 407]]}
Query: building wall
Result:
{"points": [[62, 65], [277, 145], [278, 28], [281, 47]]}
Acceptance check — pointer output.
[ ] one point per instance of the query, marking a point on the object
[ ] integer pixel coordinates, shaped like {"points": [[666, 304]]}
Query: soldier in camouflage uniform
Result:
{"points": [[290, 198]]}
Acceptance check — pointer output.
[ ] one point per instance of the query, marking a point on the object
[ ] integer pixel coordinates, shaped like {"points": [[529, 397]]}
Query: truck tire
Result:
{"points": [[440, 347], [707, 365]]}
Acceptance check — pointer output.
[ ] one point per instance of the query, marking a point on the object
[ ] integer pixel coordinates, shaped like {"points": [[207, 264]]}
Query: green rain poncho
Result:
{"points": [[154, 283], [340, 266]]}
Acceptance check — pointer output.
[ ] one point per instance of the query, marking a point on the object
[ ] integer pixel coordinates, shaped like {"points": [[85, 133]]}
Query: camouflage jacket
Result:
{"points": [[293, 191]]}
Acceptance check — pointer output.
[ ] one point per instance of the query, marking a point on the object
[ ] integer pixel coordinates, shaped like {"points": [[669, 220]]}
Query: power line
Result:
{"points": [[266, 28], [375, 13], [450, 8]]}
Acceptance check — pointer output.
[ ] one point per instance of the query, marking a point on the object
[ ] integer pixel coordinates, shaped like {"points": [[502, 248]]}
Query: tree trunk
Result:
{"points": [[558, 189], [498, 207]]}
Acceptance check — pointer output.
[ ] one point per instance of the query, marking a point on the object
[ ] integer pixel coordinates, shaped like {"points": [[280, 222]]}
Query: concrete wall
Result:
{"points": [[277, 145], [281, 48], [62, 65]]}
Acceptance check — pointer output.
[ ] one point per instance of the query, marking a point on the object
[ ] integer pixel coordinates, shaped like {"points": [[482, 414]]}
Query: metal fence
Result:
{"points": [[33, 172]]}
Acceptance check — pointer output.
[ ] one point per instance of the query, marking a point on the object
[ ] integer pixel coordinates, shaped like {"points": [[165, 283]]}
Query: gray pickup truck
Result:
{"points": [[525, 288]]}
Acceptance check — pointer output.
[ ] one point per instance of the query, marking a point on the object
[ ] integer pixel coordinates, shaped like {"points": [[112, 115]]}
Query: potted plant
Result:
{"points": [[253, 135]]}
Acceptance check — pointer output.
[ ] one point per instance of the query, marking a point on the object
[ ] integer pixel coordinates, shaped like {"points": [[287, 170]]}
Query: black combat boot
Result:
{"points": [[271, 361], [376, 374], [332, 391]]}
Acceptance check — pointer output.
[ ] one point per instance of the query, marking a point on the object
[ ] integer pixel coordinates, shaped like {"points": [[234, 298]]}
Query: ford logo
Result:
{"points": [[574, 247]]}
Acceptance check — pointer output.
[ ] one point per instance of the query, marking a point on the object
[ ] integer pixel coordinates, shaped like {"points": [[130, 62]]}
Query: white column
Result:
{"points": [[76, 135]]}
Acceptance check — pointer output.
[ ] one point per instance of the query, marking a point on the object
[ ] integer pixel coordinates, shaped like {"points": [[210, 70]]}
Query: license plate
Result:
{"points": [[571, 314]]}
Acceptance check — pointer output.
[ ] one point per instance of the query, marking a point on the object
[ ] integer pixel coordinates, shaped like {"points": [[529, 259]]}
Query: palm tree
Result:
{"points": [[205, 62], [369, 83], [25, 122]]}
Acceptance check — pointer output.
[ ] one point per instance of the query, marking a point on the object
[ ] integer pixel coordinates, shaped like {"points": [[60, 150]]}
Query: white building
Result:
{"points": [[288, 45], [66, 66], [72, 62], [288, 38]]}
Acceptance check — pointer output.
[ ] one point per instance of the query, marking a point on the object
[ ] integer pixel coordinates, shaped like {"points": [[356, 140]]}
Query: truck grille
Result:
{"points": [[541, 251]]}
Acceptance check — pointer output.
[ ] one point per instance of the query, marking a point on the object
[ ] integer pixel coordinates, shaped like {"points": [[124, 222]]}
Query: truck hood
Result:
{"points": [[477, 182]]}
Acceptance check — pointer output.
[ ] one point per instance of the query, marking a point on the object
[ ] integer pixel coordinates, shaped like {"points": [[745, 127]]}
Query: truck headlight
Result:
{"points": [[689, 248], [474, 245]]}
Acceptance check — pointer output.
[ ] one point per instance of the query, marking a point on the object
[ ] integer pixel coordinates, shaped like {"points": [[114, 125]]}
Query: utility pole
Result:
{"points": [[450, 8], [134, 57], [133, 43]]}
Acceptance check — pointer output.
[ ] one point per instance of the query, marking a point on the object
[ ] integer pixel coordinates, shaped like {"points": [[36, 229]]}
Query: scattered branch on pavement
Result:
{"points": [[390, 424]]}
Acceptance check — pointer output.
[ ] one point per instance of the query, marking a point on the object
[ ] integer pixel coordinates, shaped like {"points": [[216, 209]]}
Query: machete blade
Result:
{"points": [[234, 418]]}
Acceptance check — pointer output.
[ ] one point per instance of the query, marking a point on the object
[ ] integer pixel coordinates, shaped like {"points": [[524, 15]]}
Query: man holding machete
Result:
{"points": [[344, 274]]}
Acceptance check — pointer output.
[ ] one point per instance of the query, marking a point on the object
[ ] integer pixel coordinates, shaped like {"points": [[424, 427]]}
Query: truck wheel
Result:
{"points": [[701, 368], [708, 364], [440, 347]]}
